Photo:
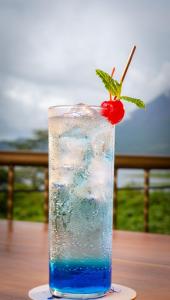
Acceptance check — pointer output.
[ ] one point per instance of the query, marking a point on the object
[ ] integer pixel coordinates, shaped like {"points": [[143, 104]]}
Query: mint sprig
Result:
{"points": [[115, 88], [136, 101]]}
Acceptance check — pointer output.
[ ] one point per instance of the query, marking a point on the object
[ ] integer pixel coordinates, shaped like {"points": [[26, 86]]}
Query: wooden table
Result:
{"points": [[140, 261]]}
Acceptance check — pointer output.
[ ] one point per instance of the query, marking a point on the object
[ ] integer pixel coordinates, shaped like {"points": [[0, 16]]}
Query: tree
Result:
{"points": [[37, 142]]}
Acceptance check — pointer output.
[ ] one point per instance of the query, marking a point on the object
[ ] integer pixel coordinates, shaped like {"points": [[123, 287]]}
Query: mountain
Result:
{"points": [[5, 146], [147, 131]]}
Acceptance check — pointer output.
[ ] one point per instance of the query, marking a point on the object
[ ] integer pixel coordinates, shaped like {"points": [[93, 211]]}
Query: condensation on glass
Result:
{"points": [[81, 158]]}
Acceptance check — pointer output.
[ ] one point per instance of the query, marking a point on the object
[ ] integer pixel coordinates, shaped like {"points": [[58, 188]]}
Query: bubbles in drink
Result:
{"points": [[81, 187]]}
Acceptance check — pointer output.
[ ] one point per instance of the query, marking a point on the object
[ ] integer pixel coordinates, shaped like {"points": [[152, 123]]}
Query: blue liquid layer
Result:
{"points": [[80, 277]]}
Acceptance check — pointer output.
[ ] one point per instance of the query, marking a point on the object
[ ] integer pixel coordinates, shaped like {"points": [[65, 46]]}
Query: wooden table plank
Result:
{"points": [[141, 261]]}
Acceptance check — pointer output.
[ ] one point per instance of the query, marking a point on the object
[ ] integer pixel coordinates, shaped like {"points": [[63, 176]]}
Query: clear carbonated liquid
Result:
{"points": [[81, 188]]}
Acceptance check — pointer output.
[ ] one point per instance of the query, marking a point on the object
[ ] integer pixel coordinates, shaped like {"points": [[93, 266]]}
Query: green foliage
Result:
{"points": [[138, 102], [29, 206], [39, 138], [160, 212], [30, 174], [3, 186], [3, 175], [130, 211], [115, 88], [41, 135], [3, 205]]}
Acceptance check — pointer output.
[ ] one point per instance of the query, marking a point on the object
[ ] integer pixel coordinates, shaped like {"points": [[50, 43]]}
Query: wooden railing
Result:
{"points": [[146, 163], [12, 159]]}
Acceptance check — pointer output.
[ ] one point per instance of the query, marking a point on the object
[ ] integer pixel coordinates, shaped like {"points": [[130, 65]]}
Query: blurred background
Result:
{"points": [[48, 55]]}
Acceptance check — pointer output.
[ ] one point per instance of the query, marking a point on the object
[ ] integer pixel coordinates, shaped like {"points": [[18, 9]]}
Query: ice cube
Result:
{"points": [[75, 132], [84, 216], [100, 179], [61, 204], [103, 141], [61, 175], [71, 151], [58, 125], [83, 120], [88, 154], [82, 110], [100, 171], [80, 176], [81, 191]]}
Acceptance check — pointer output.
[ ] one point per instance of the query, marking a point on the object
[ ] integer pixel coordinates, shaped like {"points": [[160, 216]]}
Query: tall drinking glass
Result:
{"points": [[81, 155]]}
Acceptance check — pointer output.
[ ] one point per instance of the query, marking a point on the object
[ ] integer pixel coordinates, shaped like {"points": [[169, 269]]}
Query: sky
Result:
{"points": [[49, 51]]}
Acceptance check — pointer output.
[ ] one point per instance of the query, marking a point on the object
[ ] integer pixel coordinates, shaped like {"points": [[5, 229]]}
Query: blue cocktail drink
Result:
{"points": [[81, 146], [81, 276]]}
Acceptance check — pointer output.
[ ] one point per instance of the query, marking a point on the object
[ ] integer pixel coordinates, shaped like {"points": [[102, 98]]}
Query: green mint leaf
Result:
{"points": [[118, 88], [113, 86], [138, 102]]}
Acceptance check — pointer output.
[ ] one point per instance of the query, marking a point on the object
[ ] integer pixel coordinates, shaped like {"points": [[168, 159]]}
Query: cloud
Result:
{"points": [[49, 52]]}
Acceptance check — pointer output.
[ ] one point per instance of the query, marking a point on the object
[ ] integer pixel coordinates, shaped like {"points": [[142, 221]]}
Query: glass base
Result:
{"points": [[76, 296], [117, 292]]}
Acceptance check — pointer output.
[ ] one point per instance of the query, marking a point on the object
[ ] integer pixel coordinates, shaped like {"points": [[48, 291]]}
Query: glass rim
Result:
{"points": [[70, 106]]}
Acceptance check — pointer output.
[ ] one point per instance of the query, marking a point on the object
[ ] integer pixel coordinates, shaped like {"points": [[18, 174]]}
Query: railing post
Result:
{"points": [[46, 195], [115, 200], [10, 193], [146, 200]]}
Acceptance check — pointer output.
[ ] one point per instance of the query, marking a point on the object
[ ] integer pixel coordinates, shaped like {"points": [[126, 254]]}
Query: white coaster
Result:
{"points": [[117, 292]]}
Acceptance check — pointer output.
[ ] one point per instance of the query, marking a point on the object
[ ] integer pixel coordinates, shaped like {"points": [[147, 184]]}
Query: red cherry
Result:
{"points": [[113, 110], [105, 108]]}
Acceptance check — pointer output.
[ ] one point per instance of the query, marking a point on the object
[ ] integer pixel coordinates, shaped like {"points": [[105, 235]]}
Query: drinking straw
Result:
{"points": [[113, 70], [125, 69], [128, 63]]}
